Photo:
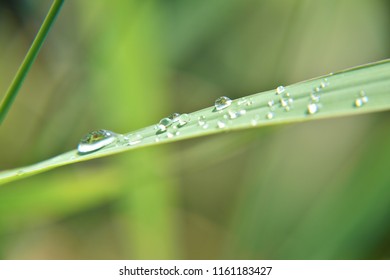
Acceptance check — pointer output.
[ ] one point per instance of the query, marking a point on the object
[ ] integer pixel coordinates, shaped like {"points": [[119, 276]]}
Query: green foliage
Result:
{"points": [[355, 91], [310, 189]]}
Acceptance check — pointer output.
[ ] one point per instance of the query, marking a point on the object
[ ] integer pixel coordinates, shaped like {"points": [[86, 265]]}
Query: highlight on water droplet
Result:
{"points": [[221, 124], [270, 115], [96, 140], [363, 99], [312, 108], [222, 103], [279, 90]]}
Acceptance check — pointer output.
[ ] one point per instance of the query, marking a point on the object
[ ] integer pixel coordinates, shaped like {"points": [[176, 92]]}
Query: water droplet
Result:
{"points": [[271, 103], [96, 140], [270, 115], [183, 119], [133, 139], [314, 97], [279, 90], [233, 114], [324, 83], [173, 131], [283, 102], [317, 89], [201, 120], [222, 103], [312, 108], [255, 120], [363, 99], [164, 124], [221, 124], [359, 102]]}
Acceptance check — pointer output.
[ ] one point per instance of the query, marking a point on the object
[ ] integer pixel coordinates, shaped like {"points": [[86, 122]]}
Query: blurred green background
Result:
{"points": [[316, 190]]}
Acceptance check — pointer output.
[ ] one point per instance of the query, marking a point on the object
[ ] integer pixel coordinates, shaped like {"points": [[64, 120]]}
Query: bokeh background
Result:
{"points": [[315, 190]]}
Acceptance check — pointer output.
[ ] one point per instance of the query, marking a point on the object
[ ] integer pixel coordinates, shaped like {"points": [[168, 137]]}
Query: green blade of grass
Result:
{"points": [[29, 59], [334, 95]]}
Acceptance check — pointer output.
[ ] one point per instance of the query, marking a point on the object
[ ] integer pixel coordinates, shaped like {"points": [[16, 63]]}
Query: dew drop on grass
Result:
{"points": [[279, 90], [96, 140], [164, 124], [363, 99], [235, 113], [222, 103], [270, 103], [270, 115], [183, 119], [133, 139], [312, 108], [221, 124], [201, 120]]}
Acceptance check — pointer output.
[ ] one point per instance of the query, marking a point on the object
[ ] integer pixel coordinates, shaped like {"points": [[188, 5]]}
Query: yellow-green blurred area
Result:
{"points": [[315, 190]]}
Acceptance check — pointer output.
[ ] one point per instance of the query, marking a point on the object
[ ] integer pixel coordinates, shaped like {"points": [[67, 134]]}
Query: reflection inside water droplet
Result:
{"points": [[222, 103], [96, 140]]}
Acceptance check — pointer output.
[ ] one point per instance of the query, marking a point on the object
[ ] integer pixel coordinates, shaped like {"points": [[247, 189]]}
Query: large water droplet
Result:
{"points": [[164, 124], [312, 108], [96, 140], [222, 103]]}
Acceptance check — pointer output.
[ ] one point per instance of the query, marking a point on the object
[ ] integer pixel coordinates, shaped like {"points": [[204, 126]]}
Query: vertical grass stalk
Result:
{"points": [[29, 59]]}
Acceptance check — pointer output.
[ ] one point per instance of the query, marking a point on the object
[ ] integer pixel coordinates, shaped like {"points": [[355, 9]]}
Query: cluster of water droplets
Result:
{"points": [[315, 97], [361, 100], [171, 125]]}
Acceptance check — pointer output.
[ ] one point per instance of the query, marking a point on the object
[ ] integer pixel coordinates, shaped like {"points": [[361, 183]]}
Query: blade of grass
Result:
{"points": [[334, 95], [29, 59]]}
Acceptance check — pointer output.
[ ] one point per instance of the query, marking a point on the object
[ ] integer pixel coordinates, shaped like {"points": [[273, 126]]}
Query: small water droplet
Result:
{"points": [[222, 103], [233, 114], [312, 108], [317, 89], [359, 102], [279, 90], [183, 119], [255, 120], [283, 102], [133, 139], [96, 140], [314, 97], [201, 120], [270, 115], [271, 103], [221, 124]]}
